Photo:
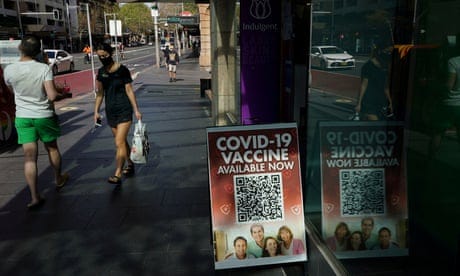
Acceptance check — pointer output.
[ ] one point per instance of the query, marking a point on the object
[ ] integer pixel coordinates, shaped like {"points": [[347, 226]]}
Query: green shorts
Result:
{"points": [[31, 130]]}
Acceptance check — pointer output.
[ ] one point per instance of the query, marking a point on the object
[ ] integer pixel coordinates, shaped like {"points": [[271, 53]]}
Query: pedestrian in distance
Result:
{"points": [[34, 91], [166, 55], [173, 60], [114, 85], [87, 51], [122, 51]]}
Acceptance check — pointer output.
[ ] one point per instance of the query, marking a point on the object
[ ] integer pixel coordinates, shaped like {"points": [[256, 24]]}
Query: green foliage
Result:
{"points": [[136, 17], [191, 7]]}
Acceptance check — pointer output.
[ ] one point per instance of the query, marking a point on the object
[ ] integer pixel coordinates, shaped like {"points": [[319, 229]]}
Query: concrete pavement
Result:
{"points": [[155, 223]]}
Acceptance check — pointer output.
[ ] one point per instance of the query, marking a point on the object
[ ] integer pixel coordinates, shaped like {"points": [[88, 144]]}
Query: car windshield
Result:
{"points": [[50, 54], [332, 50]]}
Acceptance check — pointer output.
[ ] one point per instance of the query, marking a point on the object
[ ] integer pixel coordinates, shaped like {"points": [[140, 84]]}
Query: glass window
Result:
{"points": [[403, 84]]}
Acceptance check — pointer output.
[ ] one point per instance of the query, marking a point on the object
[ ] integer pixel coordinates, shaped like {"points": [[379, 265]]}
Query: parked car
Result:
{"points": [[331, 57], [60, 61]]}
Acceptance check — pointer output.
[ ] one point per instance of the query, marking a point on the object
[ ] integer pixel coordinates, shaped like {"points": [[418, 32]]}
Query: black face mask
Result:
{"points": [[106, 61]]}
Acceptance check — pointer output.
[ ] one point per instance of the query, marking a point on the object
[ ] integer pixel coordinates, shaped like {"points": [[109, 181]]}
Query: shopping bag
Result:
{"points": [[140, 144]]}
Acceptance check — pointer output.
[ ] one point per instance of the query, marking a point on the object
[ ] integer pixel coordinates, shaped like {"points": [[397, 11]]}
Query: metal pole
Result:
{"points": [[332, 23], [116, 34], [157, 52], [69, 26], [20, 20], [91, 47], [105, 23]]}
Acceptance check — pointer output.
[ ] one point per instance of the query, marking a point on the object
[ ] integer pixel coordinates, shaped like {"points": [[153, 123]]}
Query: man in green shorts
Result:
{"points": [[34, 93]]}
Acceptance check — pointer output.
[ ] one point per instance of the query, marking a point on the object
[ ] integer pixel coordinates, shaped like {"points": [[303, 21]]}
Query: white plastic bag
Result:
{"points": [[140, 144]]}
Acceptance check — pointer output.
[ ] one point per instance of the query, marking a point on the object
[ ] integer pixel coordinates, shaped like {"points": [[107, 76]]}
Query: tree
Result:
{"points": [[136, 17], [173, 9]]}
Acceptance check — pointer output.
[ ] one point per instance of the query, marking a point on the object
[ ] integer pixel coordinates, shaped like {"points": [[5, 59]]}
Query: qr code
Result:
{"points": [[258, 197], [362, 192]]}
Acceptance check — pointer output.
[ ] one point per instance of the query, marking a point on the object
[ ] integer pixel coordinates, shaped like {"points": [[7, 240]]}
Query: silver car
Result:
{"points": [[60, 61], [331, 57]]}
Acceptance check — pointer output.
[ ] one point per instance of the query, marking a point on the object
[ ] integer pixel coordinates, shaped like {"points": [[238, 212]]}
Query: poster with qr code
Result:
{"points": [[364, 193], [256, 195]]}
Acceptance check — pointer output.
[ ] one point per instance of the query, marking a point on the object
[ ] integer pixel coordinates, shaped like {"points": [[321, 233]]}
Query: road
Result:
{"points": [[80, 81], [328, 99]]}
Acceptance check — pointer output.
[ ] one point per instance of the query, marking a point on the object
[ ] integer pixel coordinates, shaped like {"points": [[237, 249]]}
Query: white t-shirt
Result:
{"points": [[453, 98], [27, 78]]}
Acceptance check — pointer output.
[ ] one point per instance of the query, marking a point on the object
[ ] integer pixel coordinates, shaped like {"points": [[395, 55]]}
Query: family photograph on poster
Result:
{"points": [[256, 195], [364, 193]]}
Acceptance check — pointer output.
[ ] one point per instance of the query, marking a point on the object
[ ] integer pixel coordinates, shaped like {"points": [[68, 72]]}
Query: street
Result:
{"points": [[80, 81]]}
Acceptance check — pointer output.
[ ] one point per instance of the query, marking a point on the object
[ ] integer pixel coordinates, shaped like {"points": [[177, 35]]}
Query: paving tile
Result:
{"points": [[155, 223]]}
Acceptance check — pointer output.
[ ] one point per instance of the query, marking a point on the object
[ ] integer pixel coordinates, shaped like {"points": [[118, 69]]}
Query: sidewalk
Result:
{"points": [[156, 223]]}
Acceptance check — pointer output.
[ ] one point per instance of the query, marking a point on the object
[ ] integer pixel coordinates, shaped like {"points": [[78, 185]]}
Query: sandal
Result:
{"points": [[129, 170], [63, 181], [114, 180], [35, 206]]}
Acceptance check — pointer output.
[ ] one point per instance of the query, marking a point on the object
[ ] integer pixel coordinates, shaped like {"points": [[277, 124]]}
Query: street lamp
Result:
{"points": [[154, 14]]}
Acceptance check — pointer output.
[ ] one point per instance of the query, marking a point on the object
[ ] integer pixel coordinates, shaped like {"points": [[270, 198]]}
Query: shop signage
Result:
{"points": [[256, 195]]}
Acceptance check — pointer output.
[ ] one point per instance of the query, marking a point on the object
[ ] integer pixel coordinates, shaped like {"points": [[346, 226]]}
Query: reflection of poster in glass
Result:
{"points": [[256, 195], [9, 51], [364, 195]]}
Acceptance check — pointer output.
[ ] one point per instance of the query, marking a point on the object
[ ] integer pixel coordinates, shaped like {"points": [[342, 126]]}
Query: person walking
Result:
{"points": [[166, 55], [374, 100], [114, 84], [173, 60], [34, 92], [87, 52]]}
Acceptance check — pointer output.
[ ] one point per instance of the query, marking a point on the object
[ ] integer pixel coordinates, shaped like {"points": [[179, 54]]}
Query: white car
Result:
{"points": [[331, 57], [60, 61]]}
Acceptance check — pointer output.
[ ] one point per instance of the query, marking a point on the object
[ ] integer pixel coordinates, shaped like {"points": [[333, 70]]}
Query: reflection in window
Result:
{"points": [[423, 76]]}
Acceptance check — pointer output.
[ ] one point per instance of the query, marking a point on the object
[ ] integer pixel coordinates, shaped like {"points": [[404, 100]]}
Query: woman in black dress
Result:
{"points": [[374, 95], [114, 84]]}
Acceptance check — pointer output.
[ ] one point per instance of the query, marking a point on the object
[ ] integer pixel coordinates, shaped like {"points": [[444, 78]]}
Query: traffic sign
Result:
{"points": [[183, 20]]}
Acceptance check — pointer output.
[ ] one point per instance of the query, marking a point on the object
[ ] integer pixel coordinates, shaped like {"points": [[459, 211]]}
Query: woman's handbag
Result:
{"points": [[140, 145]]}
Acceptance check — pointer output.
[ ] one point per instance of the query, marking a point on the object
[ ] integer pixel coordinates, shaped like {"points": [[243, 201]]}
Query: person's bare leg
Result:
{"points": [[120, 134], [30, 169], [372, 117], [54, 157]]}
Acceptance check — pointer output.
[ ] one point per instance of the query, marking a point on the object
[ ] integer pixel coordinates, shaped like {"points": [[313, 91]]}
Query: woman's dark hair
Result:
{"points": [[30, 46], [362, 246], [105, 47], [265, 251]]}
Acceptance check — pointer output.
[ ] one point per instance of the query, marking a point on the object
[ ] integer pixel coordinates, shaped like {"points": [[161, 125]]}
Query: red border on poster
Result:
{"points": [[254, 178], [364, 183]]}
